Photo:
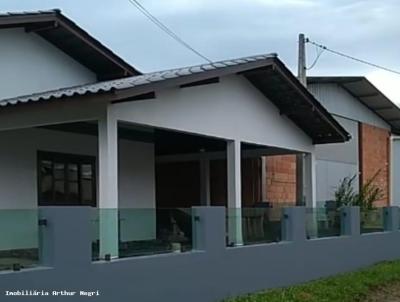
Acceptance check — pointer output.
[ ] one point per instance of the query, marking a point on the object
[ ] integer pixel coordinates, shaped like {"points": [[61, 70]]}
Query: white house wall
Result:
{"points": [[231, 109], [30, 64], [395, 172], [337, 161], [339, 102], [18, 179]]}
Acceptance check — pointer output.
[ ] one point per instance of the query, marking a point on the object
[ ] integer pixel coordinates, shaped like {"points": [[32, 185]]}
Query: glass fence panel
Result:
{"points": [[141, 232], [95, 232], [253, 225], [322, 222], [19, 239], [372, 220], [155, 231]]}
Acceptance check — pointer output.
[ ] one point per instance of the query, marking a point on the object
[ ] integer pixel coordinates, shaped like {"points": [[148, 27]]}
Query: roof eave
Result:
{"points": [[30, 19], [342, 81]]}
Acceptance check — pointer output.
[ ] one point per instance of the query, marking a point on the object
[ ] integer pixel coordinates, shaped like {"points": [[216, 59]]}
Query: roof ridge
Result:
{"points": [[31, 12], [264, 56]]}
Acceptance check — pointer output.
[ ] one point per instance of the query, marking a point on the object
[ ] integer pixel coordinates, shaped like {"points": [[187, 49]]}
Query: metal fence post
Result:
{"points": [[391, 218], [350, 221], [294, 224], [209, 230], [65, 237]]}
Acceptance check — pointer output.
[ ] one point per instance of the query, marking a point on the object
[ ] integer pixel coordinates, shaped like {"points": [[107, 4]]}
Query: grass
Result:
{"points": [[350, 287]]}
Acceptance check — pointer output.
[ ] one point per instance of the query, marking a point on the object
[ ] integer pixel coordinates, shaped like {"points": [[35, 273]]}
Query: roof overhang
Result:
{"points": [[63, 33], [366, 93], [266, 72]]}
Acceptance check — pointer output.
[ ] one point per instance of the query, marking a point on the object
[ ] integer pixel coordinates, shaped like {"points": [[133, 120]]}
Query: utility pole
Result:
{"points": [[302, 60], [300, 175]]}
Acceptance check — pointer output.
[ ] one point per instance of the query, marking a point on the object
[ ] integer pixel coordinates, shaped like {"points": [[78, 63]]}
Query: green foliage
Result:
{"points": [[365, 198], [345, 194], [351, 287]]}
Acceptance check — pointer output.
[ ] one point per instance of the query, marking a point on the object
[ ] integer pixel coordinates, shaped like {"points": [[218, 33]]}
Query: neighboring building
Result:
{"points": [[371, 119], [175, 138]]}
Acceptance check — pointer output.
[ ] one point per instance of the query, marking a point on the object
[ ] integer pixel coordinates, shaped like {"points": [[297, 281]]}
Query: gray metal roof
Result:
{"points": [[134, 81], [367, 94], [266, 72]]}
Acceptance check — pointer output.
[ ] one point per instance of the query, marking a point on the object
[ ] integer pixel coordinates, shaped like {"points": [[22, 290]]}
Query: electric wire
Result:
{"points": [[319, 53], [324, 48], [165, 29]]}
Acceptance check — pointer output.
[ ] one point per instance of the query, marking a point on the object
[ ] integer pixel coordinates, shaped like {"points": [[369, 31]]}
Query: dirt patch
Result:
{"points": [[389, 293]]}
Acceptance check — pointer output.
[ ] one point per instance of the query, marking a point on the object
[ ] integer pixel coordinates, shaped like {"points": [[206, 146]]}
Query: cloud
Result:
{"points": [[389, 83]]}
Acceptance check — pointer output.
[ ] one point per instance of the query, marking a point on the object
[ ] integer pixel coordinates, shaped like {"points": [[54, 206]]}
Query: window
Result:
{"points": [[66, 179]]}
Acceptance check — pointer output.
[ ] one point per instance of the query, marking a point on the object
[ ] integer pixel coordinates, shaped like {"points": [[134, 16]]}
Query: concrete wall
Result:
{"points": [[208, 274], [231, 109], [30, 64], [18, 179]]}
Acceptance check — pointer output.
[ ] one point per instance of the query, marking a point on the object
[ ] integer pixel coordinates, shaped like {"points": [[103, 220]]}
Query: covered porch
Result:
{"points": [[143, 155]]}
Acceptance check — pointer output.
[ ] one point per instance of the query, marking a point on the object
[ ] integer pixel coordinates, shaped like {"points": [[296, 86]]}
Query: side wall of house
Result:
{"points": [[356, 157], [337, 161], [18, 179], [30, 64], [375, 159]]}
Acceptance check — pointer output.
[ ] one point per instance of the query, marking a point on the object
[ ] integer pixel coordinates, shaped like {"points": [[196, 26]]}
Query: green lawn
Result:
{"points": [[355, 286]]}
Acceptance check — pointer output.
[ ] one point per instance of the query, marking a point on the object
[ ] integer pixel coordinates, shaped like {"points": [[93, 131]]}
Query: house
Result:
{"points": [[373, 122], [80, 126], [100, 162]]}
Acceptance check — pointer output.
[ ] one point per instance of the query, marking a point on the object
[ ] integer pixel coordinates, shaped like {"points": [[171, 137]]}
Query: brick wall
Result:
{"points": [[281, 178], [374, 158]]}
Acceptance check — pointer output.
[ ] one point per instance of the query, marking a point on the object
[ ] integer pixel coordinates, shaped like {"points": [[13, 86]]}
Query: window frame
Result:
{"points": [[67, 159]]}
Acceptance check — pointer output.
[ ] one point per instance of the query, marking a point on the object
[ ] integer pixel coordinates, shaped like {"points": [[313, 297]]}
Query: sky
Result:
{"points": [[223, 29]]}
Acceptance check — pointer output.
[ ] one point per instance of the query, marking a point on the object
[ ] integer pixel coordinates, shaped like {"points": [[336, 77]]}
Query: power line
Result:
{"points": [[165, 29], [319, 53], [351, 57]]}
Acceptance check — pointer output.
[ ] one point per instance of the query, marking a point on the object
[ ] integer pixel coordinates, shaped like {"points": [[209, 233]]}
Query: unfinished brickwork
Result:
{"points": [[280, 178], [374, 158]]}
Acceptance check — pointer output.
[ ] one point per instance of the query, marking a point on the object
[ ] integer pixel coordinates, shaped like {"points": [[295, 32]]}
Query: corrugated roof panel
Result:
{"points": [[131, 82]]}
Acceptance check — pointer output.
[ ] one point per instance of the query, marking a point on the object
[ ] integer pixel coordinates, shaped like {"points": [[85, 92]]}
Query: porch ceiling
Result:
{"points": [[265, 72], [168, 142]]}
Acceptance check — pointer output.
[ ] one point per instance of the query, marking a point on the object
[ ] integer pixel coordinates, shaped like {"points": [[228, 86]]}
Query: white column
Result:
{"points": [[309, 183], [309, 190], [300, 176], [394, 170], [234, 192], [264, 183], [205, 196], [108, 186]]}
